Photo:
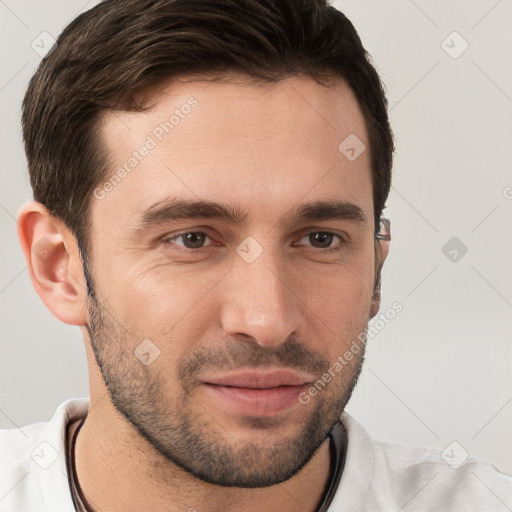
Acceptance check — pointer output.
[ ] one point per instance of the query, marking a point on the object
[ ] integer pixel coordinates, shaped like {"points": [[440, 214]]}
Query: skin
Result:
{"points": [[154, 437]]}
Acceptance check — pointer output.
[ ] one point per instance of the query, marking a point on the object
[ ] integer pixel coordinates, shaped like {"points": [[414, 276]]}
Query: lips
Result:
{"points": [[261, 379], [257, 393]]}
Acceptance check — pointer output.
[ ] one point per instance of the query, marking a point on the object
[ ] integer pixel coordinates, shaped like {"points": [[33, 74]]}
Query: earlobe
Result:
{"points": [[53, 261]]}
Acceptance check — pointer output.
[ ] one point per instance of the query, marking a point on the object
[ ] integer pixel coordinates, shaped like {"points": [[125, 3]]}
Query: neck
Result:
{"points": [[119, 470]]}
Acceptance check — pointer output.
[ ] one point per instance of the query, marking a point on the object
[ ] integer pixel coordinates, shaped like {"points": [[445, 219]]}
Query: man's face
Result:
{"points": [[183, 299]]}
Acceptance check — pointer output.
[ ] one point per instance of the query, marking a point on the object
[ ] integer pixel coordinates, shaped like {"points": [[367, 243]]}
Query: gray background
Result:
{"points": [[440, 371]]}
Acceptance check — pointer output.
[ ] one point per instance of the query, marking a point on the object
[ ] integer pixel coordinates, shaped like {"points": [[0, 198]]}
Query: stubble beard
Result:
{"points": [[188, 434]]}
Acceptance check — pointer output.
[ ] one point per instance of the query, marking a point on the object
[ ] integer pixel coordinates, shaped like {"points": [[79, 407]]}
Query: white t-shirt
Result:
{"points": [[377, 476]]}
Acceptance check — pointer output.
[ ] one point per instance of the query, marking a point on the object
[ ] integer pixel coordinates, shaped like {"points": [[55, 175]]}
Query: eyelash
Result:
{"points": [[186, 250]]}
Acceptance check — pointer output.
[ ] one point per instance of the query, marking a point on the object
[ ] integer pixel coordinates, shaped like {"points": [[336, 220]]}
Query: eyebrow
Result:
{"points": [[172, 209], [329, 210]]}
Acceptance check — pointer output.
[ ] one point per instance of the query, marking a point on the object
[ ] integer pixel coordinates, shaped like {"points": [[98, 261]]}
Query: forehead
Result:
{"points": [[263, 146]]}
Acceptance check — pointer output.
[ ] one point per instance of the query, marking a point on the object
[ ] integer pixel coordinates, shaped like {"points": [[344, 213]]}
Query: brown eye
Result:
{"points": [[321, 239], [190, 240]]}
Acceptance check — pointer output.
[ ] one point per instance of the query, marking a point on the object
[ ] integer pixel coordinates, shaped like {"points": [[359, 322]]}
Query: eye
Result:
{"points": [[190, 240], [322, 240]]}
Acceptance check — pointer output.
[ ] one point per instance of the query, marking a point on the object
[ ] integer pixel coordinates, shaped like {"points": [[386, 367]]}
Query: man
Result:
{"points": [[209, 180]]}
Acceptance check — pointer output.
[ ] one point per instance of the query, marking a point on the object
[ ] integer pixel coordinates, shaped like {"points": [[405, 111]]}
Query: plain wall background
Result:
{"points": [[441, 370]]}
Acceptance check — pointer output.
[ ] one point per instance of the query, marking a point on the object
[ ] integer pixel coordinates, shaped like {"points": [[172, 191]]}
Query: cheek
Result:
{"points": [[342, 299], [172, 308]]}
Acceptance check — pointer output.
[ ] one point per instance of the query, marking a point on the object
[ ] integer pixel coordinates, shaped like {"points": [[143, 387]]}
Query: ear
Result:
{"points": [[54, 263], [381, 253]]}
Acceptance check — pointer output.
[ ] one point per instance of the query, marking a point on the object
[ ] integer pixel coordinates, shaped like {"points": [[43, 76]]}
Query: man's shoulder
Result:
{"points": [[33, 470], [450, 478], [395, 476]]}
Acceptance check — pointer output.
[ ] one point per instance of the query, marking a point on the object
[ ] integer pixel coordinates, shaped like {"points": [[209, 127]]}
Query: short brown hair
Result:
{"points": [[107, 54]]}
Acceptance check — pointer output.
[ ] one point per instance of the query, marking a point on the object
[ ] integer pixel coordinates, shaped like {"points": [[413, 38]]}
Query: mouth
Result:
{"points": [[258, 393], [261, 379]]}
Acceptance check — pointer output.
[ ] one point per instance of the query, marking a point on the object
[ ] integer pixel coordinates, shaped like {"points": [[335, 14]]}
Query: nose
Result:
{"points": [[260, 301]]}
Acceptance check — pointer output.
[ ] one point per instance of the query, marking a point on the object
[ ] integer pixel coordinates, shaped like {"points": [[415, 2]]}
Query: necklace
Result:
{"points": [[339, 440], [76, 491], [338, 454]]}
